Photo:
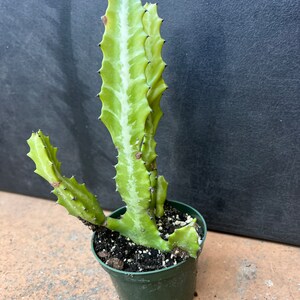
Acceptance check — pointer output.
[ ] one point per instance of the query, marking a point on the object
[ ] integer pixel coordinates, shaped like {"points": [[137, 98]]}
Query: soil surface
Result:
{"points": [[121, 253]]}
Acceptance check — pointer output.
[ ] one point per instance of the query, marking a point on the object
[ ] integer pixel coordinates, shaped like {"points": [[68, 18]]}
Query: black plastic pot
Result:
{"points": [[172, 283]]}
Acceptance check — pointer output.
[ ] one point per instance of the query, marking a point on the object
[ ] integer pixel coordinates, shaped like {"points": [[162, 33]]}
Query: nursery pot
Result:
{"points": [[171, 283]]}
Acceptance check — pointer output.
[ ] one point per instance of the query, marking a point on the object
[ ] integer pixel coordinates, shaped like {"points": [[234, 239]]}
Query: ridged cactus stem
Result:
{"points": [[153, 46], [73, 196], [125, 109]]}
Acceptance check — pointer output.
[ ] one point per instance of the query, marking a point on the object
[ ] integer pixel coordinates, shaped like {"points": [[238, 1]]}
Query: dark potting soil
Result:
{"points": [[121, 253]]}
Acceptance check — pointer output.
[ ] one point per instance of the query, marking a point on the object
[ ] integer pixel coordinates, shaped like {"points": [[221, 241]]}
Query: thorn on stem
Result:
{"points": [[55, 184], [104, 20], [138, 155]]}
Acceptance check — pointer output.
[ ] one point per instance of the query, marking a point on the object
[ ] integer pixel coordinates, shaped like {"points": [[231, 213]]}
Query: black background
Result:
{"points": [[229, 141]]}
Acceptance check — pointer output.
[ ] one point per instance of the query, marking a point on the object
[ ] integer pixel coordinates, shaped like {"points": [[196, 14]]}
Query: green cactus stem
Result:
{"points": [[73, 196], [125, 109], [132, 87], [153, 47], [186, 238]]}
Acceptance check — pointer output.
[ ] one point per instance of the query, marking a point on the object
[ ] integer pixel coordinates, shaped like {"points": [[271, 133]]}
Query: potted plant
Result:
{"points": [[150, 245]]}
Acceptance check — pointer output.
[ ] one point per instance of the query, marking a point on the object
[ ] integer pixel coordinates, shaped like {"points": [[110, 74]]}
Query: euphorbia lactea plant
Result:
{"points": [[132, 87]]}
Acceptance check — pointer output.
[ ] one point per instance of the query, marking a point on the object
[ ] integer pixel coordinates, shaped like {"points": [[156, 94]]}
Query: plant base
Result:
{"points": [[173, 283]]}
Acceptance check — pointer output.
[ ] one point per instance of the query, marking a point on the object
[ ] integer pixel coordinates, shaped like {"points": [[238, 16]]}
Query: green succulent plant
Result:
{"points": [[132, 87]]}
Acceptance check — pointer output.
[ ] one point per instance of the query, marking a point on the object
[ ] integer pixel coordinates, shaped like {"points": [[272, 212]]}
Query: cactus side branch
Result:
{"points": [[73, 196]]}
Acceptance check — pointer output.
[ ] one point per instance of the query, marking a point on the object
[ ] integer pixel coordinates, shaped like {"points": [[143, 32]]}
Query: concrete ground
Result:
{"points": [[45, 254]]}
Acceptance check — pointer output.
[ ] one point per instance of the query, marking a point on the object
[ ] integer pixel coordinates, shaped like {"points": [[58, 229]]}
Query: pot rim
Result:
{"points": [[105, 266]]}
